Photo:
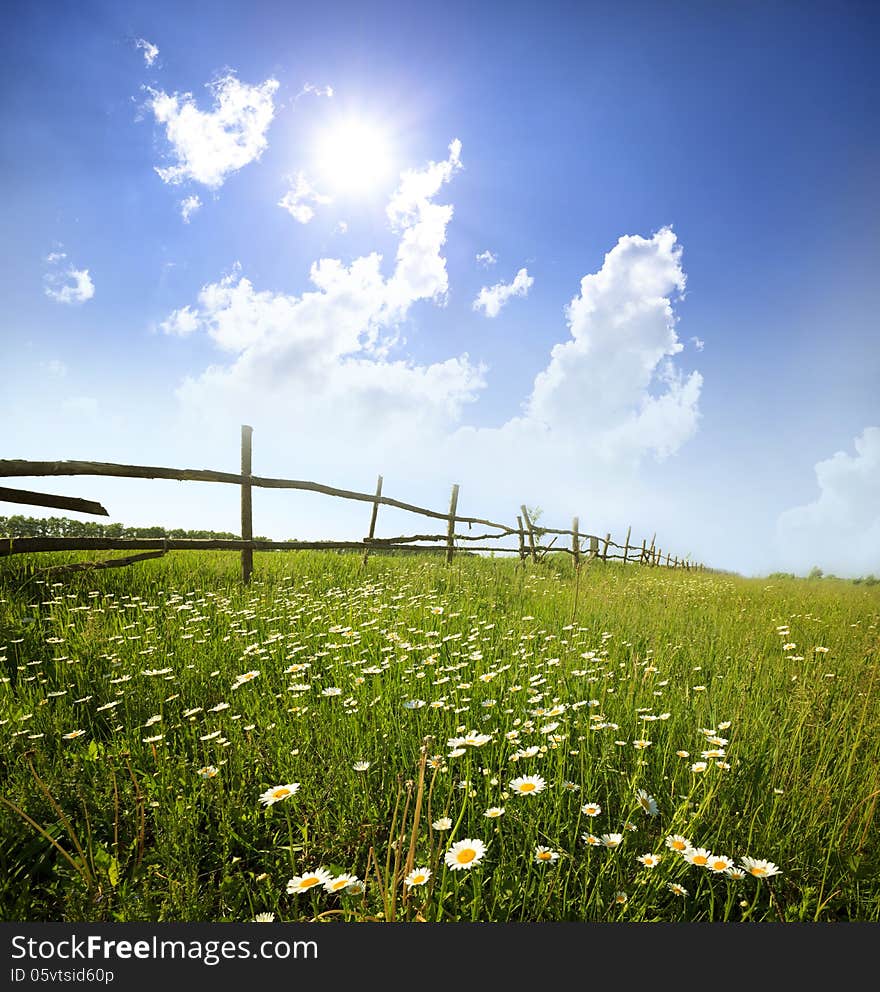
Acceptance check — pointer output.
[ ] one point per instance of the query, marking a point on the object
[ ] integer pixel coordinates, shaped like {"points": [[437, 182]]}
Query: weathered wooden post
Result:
{"points": [[594, 546], [626, 545], [450, 530], [644, 553], [521, 534], [605, 548], [247, 519], [576, 543], [373, 516], [528, 521]]}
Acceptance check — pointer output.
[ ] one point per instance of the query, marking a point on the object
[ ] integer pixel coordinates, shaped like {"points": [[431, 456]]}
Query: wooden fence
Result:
{"points": [[527, 534]]}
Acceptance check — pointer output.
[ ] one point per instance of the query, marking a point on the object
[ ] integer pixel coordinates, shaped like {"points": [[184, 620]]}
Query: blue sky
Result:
{"points": [[711, 169]]}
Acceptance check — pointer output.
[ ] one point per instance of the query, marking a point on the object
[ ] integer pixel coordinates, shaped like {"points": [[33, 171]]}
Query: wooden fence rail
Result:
{"points": [[528, 533]]}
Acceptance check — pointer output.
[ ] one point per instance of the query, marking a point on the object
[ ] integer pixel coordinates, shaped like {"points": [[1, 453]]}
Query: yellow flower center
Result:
{"points": [[280, 793], [527, 787], [700, 859], [758, 871], [466, 856], [307, 883]]}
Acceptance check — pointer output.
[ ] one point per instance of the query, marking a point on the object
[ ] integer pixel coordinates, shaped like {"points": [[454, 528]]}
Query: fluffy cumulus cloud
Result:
{"points": [[839, 531], [301, 199], [614, 378], [65, 284], [209, 145], [491, 299], [324, 353]]}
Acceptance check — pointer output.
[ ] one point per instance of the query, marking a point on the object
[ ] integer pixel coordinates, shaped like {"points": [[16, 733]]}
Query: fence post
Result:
{"points": [[373, 516], [644, 552], [626, 545], [605, 548], [528, 521], [247, 519], [450, 530], [576, 543], [594, 546]]}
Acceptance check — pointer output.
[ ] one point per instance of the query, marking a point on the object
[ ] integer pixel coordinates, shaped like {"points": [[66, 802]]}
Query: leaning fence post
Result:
{"points": [[373, 516], [450, 530], [626, 545], [575, 543], [644, 553], [522, 538], [528, 521], [247, 520], [605, 548]]}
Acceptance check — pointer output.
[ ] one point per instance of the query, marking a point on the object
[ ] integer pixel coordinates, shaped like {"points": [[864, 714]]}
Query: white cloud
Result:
{"points": [[150, 51], [211, 145], [839, 531], [609, 376], [492, 298], [66, 284], [341, 227], [698, 343], [180, 323], [487, 258], [298, 200], [324, 354], [315, 91], [188, 207]]}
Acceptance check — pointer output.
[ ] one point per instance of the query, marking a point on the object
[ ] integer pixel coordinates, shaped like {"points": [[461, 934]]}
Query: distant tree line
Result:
{"points": [[21, 526]]}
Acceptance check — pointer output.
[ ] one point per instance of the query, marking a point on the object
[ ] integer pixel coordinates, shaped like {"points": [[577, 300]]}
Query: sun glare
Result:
{"points": [[353, 157]]}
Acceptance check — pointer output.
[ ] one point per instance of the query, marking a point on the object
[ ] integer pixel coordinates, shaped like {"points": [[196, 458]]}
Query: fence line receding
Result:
{"points": [[528, 534]]}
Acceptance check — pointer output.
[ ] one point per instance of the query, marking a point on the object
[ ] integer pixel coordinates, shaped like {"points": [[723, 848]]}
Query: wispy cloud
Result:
{"points": [[492, 298], [151, 53], [188, 207], [298, 201], [211, 145], [487, 258], [311, 90]]}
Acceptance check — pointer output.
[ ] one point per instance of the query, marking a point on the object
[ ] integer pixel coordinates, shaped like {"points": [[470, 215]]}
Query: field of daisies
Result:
{"points": [[404, 740]]}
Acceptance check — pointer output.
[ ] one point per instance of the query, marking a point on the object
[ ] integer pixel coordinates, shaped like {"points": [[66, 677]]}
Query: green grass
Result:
{"points": [[118, 824]]}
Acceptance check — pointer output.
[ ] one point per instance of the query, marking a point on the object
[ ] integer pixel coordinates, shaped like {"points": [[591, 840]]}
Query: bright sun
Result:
{"points": [[353, 157]]}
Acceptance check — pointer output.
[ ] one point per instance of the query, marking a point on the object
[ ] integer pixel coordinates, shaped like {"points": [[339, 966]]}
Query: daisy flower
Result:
{"points": [[675, 842], [528, 785], [465, 854], [737, 874], [361, 766], [620, 898], [591, 840], [208, 771], [340, 882], [302, 883], [611, 840], [72, 736], [442, 823], [649, 860], [545, 855], [591, 809], [648, 803], [698, 856], [278, 792], [720, 863], [493, 812], [760, 869], [418, 876], [677, 890], [264, 918]]}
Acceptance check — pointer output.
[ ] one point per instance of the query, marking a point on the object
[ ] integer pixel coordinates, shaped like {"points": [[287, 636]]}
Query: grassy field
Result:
{"points": [[150, 717]]}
